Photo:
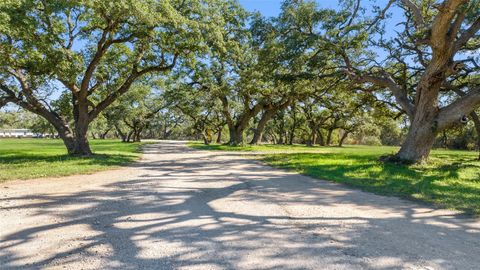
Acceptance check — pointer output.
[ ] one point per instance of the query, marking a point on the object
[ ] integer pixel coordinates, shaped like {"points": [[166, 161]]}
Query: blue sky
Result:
{"points": [[271, 8], [268, 8]]}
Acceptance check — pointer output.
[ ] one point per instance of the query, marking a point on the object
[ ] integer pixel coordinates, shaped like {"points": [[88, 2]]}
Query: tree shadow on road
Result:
{"points": [[181, 213]]}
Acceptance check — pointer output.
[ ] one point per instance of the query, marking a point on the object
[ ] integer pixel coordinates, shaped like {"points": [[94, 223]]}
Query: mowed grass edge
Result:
{"points": [[451, 179], [37, 158]]}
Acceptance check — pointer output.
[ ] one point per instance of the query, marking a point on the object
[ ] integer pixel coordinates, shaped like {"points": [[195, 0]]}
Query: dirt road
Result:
{"points": [[186, 209]]}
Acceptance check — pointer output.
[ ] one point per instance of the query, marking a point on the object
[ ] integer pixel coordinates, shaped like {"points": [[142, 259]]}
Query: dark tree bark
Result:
{"points": [[122, 135], [312, 139], [236, 135], [320, 138], [293, 112], [236, 127], [329, 136], [281, 131], [476, 120], [129, 136], [137, 135], [104, 134], [205, 138], [343, 138], [219, 136], [258, 134], [444, 140], [82, 121], [270, 111]]}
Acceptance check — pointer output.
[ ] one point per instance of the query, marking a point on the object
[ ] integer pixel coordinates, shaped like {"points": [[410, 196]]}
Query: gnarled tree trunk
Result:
{"points": [[425, 122], [293, 112], [129, 136], [120, 133], [343, 138], [329, 136], [67, 138], [137, 136], [205, 138], [419, 141], [236, 127], [258, 134], [320, 138], [219, 136], [82, 146], [313, 138], [236, 136], [104, 135], [270, 111]]}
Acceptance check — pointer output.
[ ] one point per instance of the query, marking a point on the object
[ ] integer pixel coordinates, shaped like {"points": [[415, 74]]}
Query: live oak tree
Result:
{"points": [[229, 74], [274, 105], [100, 128], [435, 49], [198, 105], [17, 119], [306, 76], [96, 50], [315, 117], [282, 70], [240, 90], [335, 108], [473, 116], [134, 111], [167, 124]]}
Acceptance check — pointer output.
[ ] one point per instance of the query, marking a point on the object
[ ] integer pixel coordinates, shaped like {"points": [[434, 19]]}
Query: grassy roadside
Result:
{"points": [[34, 158], [451, 179]]}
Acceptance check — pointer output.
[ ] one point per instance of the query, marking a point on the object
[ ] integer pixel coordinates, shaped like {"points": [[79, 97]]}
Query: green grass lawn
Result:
{"points": [[34, 158], [450, 179]]}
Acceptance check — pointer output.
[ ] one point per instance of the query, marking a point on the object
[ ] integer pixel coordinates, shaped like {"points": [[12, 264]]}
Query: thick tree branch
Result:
{"points": [[101, 49], [441, 25], [417, 14], [127, 84], [70, 86], [226, 111], [161, 67], [467, 34], [35, 106], [388, 82], [463, 106], [384, 81]]}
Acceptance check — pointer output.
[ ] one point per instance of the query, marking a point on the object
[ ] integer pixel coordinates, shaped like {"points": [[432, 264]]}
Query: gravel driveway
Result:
{"points": [[186, 209]]}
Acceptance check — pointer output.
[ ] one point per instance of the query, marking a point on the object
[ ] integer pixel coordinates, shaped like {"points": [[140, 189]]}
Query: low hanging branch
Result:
{"points": [[95, 77], [435, 41]]}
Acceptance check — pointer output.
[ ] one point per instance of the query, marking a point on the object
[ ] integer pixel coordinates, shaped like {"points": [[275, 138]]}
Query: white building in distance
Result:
{"points": [[16, 133]]}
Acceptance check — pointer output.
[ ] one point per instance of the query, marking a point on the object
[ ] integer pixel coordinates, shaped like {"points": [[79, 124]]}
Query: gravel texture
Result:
{"points": [[181, 208]]}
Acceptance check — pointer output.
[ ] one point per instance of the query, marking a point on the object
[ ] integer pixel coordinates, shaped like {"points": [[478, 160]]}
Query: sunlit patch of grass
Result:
{"points": [[450, 179], [34, 158]]}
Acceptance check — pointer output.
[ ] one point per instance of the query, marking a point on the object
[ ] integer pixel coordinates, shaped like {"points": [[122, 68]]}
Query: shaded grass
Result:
{"points": [[450, 179], [34, 158]]}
